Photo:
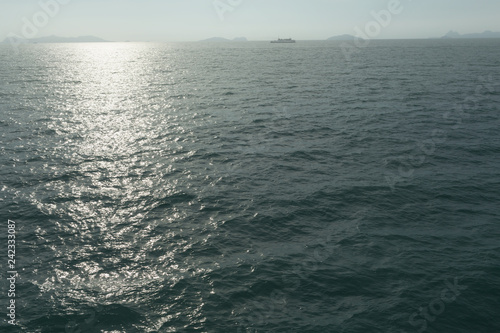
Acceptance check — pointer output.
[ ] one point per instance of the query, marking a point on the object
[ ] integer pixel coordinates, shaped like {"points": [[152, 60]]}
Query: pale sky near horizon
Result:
{"points": [[191, 20]]}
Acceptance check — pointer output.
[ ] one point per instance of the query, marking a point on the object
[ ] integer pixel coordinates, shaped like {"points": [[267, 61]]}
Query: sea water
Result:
{"points": [[252, 187]]}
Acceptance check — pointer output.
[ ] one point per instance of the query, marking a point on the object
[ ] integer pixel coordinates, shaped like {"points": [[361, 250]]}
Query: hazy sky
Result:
{"points": [[187, 20]]}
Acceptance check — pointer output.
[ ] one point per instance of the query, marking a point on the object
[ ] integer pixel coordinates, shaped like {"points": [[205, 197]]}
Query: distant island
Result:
{"points": [[344, 37], [220, 39], [486, 34], [56, 39]]}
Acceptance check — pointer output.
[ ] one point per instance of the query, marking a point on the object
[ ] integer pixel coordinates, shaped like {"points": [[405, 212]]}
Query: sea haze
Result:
{"points": [[253, 187]]}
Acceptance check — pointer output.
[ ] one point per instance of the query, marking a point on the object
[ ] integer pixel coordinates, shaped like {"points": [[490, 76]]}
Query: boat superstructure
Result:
{"points": [[285, 40]]}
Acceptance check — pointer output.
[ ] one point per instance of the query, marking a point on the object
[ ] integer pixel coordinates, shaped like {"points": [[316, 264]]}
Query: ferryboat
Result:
{"points": [[286, 40]]}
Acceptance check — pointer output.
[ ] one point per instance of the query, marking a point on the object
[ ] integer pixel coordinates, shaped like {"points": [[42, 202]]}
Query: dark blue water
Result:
{"points": [[252, 187]]}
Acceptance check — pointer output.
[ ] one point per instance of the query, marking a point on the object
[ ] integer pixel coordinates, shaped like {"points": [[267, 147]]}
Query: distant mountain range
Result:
{"points": [[346, 37], [57, 39], [449, 35], [220, 39], [486, 34], [343, 37]]}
